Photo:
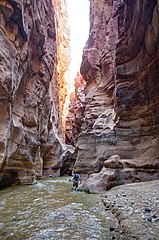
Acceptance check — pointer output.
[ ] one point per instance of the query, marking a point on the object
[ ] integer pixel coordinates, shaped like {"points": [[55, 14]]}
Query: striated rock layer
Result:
{"points": [[56, 152], [75, 111], [62, 64], [121, 68], [28, 97]]}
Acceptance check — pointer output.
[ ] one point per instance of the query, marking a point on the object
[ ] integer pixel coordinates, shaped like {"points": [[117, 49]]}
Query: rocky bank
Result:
{"points": [[135, 208]]}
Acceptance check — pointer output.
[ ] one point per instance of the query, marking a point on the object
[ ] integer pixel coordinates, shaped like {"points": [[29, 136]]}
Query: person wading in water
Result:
{"points": [[76, 180]]}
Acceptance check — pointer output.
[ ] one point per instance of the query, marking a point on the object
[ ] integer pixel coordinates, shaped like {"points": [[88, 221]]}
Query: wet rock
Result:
{"points": [[147, 210], [107, 209], [149, 219], [113, 238], [137, 221], [111, 229]]}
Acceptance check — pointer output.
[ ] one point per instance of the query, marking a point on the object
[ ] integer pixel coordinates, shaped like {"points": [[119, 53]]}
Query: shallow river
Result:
{"points": [[51, 210]]}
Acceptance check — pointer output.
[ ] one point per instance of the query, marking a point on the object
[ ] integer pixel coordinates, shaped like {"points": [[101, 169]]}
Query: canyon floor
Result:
{"points": [[136, 211], [51, 210]]}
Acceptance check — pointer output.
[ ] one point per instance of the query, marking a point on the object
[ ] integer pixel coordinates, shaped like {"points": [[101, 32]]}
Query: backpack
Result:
{"points": [[76, 177]]}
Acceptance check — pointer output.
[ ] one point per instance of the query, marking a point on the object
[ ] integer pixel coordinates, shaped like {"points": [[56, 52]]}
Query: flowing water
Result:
{"points": [[51, 210]]}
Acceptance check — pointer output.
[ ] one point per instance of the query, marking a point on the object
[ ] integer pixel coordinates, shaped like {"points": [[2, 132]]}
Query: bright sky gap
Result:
{"points": [[78, 13]]}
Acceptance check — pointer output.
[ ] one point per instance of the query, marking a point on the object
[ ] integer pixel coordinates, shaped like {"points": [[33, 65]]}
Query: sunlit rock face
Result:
{"points": [[28, 96], [56, 152], [62, 64], [121, 67]]}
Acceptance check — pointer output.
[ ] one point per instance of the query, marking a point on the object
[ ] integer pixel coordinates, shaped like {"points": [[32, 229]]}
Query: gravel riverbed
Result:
{"points": [[136, 210]]}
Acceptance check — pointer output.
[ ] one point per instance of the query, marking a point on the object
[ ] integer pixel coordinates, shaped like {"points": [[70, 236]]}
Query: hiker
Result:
{"points": [[76, 180]]}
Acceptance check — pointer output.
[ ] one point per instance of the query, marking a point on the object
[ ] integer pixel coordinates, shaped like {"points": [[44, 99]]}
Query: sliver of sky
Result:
{"points": [[78, 13]]}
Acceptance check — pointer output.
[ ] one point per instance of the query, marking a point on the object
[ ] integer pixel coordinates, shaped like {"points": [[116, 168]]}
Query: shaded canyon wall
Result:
{"points": [[29, 100], [75, 111], [121, 68]]}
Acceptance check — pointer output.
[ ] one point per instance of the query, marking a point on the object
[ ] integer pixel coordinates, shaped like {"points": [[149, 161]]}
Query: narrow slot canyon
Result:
{"points": [[79, 91]]}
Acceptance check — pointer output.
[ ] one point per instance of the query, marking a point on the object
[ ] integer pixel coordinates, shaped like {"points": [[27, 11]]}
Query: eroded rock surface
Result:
{"points": [[118, 171], [75, 111], [97, 139], [121, 68], [56, 152], [29, 142], [61, 75]]}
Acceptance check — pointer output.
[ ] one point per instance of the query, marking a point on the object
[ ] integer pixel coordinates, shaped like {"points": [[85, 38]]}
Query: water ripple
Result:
{"points": [[50, 210]]}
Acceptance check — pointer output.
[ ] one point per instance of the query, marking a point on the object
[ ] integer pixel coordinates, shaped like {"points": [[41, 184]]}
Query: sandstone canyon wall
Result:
{"points": [[56, 152], [75, 111], [116, 104], [62, 63], [29, 143], [121, 67]]}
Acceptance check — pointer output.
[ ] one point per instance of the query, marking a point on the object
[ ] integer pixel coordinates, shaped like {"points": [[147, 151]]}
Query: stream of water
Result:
{"points": [[51, 210]]}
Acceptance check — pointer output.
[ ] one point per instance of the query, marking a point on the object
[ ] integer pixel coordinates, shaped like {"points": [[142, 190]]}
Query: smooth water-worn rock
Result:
{"points": [[121, 68], [115, 107], [29, 101]]}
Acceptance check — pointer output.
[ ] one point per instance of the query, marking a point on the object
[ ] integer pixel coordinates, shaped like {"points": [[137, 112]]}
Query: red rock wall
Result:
{"points": [[63, 60], [121, 67], [28, 53], [75, 111], [55, 150], [98, 70], [137, 85]]}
